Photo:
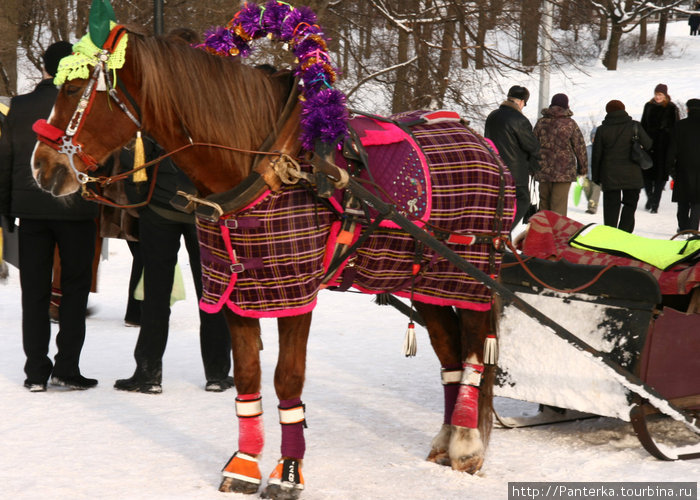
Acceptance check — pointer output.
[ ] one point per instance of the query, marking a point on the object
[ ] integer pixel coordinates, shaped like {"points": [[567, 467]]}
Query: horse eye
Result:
{"points": [[71, 90]]}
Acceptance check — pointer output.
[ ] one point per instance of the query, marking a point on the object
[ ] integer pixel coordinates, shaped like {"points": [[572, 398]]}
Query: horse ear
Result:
{"points": [[101, 13]]}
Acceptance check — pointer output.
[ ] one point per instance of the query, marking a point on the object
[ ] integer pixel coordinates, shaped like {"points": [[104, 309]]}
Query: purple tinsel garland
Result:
{"points": [[324, 115]]}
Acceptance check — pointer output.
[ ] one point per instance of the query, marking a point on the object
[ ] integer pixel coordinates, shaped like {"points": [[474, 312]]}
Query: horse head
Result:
{"points": [[177, 94], [90, 119]]}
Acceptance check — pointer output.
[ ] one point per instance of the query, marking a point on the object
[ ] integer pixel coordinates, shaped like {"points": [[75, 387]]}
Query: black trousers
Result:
{"points": [[613, 200], [688, 215], [159, 243], [522, 203], [133, 306], [654, 183], [76, 247]]}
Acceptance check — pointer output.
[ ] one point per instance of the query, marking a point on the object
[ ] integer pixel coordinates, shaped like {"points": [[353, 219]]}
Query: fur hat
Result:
{"points": [[54, 54], [614, 105], [560, 100], [661, 88], [693, 104], [518, 92]]}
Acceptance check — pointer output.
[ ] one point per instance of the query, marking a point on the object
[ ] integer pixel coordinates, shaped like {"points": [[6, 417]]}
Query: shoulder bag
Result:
{"points": [[637, 154]]}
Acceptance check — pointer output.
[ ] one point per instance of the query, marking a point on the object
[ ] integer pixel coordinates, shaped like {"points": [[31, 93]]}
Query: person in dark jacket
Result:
{"points": [[511, 132], [658, 118], [684, 166], [160, 230], [620, 179], [563, 152], [45, 222]]}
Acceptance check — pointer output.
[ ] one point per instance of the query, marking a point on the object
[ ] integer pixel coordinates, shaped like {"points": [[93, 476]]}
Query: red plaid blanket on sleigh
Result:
{"points": [[548, 238]]}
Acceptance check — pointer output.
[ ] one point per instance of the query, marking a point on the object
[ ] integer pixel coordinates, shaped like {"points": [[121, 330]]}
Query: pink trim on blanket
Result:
{"points": [[281, 313], [389, 134], [418, 297]]}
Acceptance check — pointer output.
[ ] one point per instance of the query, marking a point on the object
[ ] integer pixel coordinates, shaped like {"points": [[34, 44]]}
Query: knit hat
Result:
{"points": [[54, 54], [614, 105], [518, 92], [661, 88], [560, 100]]}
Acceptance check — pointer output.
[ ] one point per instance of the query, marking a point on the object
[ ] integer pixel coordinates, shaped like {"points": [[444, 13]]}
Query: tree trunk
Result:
{"points": [[603, 28], [402, 87], [611, 55], [530, 27], [9, 33], [643, 32], [442, 77], [661, 34], [565, 15], [481, 28]]}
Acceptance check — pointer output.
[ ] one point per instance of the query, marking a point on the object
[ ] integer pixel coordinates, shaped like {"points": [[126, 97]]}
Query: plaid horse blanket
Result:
{"points": [[269, 259], [548, 238]]}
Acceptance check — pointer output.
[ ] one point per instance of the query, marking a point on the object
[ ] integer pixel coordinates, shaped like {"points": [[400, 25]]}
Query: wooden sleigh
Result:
{"points": [[626, 317]]}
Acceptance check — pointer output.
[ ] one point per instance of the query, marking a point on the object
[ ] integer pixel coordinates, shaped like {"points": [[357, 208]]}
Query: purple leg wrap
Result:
{"points": [[451, 393], [293, 444]]}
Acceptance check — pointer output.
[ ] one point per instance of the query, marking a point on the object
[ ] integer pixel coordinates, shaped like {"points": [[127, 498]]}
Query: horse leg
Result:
{"points": [[286, 481], [442, 324], [242, 474], [458, 341]]}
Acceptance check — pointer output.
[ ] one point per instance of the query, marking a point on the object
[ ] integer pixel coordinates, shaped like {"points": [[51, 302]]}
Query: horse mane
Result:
{"points": [[216, 100]]}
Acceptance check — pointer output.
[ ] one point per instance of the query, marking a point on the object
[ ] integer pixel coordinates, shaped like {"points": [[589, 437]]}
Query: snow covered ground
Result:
{"points": [[371, 411]]}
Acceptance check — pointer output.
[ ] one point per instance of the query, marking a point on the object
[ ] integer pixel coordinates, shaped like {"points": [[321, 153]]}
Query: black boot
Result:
{"points": [[141, 381], [74, 382]]}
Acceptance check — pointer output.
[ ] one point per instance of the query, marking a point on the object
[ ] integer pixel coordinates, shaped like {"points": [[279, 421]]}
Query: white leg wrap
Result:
{"points": [[292, 415], [451, 376], [249, 408]]}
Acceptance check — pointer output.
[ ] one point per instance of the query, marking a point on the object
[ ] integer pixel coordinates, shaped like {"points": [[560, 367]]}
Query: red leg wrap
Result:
{"points": [[251, 438], [466, 412]]}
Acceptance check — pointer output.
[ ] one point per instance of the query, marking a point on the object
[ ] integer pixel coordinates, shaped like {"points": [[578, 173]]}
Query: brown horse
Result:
{"points": [[179, 95]]}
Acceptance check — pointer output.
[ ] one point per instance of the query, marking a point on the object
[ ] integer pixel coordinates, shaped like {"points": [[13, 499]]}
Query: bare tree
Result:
{"points": [[624, 16]]}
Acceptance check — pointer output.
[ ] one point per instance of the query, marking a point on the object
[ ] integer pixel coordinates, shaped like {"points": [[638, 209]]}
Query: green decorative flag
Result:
{"points": [[101, 13]]}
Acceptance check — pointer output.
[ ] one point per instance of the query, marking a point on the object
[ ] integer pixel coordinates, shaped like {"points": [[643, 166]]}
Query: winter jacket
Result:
{"points": [[511, 132], [562, 146], [684, 158], [612, 166], [169, 180], [20, 196], [658, 121]]}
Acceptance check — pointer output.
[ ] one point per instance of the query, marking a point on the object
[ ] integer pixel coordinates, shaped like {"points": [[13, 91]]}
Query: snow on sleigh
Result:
{"points": [[643, 320]]}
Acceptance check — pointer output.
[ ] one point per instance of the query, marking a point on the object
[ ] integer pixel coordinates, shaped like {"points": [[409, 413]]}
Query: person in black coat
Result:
{"points": [[517, 145], [620, 178], [658, 118], [684, 166], [45, 222]]}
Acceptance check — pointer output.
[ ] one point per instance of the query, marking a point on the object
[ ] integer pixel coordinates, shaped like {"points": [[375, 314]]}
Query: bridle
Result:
{"points": [[66, 142]]}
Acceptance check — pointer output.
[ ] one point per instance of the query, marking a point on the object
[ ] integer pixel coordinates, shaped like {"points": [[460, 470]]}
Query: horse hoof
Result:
{"points": [[466, 450], [232, 485], [277, 492], [439, 457], [471, 465]]}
